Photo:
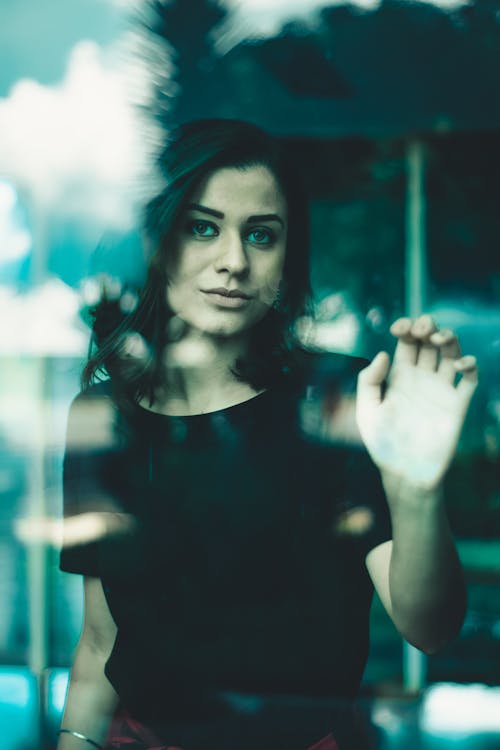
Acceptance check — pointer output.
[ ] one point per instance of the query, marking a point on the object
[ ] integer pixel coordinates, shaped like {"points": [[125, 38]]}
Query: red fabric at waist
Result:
{"points": [[127, 733]]}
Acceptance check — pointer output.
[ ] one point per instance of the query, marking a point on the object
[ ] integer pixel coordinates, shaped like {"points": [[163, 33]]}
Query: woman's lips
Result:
{"points": [[227, 292], [233, 299]]}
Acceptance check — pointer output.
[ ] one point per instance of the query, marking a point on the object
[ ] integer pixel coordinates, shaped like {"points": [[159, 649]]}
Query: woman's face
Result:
{"points": [[229, 252]]}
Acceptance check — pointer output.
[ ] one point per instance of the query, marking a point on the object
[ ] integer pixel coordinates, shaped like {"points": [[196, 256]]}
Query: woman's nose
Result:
{"points": [[232, 255]]}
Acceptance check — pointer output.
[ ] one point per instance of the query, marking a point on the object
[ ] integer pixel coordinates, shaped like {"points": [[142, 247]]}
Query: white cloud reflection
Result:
{"points": [[74, 146], [15, 239], [43, 321], [263, 18]]}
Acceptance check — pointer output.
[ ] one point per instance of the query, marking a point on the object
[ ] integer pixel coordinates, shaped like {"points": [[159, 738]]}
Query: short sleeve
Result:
{"points": [[87, 497], [365, 512]]}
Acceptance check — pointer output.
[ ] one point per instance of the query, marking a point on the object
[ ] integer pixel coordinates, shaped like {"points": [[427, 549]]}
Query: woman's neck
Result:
{"points": [[199, 376]]}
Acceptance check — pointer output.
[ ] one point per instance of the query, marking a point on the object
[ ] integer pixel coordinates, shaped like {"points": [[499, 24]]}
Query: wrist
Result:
{"points": [[408, 493]]}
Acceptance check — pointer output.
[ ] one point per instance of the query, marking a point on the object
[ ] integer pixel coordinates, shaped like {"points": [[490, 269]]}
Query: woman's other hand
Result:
{"points": [[410, 413]]}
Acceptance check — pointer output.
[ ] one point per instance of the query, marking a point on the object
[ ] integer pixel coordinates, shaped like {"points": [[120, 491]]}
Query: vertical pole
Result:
{"points": [[37, 552], [416, 251], [414, 661]]}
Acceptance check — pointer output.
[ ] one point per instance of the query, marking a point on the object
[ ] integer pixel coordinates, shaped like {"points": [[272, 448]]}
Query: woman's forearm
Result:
{"points": [[426, 582], [90, 703]]}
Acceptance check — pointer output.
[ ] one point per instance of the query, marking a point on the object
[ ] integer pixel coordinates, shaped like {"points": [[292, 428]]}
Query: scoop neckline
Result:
{"points": [[206, 414]]}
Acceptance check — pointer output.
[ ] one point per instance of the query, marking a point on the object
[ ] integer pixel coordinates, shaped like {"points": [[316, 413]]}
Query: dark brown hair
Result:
{"points": [[193, 151]]}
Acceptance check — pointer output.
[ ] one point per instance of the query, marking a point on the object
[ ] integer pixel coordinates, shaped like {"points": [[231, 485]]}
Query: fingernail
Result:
{"points": [[439, 336], [399, 326], [466, 363]]}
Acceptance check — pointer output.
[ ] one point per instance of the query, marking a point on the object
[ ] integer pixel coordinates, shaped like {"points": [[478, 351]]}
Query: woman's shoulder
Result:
{"points": [[99, 389], [90, 398], [92, 415]]}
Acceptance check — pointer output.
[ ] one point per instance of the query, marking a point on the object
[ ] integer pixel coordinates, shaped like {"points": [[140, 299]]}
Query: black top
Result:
{"points": [[241, 572]]}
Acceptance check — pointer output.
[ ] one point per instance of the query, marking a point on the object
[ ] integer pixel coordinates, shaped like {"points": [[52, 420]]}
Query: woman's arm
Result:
{"points": [[91, 699], [410, 415], [418, 575]]}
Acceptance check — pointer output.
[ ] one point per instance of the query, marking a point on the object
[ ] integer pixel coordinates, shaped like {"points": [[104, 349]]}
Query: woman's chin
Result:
{"points": [[225, 325]]}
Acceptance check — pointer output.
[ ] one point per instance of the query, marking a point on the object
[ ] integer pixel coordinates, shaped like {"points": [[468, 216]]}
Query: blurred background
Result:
{"points": [[392, 110]]}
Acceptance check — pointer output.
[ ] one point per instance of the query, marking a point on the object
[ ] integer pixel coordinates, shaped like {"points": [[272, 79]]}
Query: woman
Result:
{"points": [[235, 525]]}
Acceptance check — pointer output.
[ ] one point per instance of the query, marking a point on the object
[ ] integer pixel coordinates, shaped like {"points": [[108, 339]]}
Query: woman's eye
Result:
{"points": [[261, 236], [202, 228]]}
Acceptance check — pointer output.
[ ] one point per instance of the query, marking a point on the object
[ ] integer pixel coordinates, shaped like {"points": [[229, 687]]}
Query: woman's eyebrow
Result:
{"points": [[220, 215], [205, 210], [265, 217]]}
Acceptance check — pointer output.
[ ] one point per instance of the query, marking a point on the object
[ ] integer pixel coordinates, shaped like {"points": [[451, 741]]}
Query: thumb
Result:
{"points": [[376, 372], [370, 380], [369, 391]]}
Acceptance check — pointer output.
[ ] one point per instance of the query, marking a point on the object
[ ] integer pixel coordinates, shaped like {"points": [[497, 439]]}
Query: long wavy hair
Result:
{"points": [[193, 151]]}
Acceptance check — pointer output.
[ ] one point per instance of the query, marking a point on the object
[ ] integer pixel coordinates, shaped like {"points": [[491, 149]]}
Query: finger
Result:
{"points": [[447, 341], [371, 379], [449, 350], [467, 367], [428, 354], [423, 327], [406, 347], [376, 372]]}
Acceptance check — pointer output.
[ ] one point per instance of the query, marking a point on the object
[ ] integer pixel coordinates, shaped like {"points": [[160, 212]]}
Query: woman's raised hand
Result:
{"points": [[410, 413]]}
